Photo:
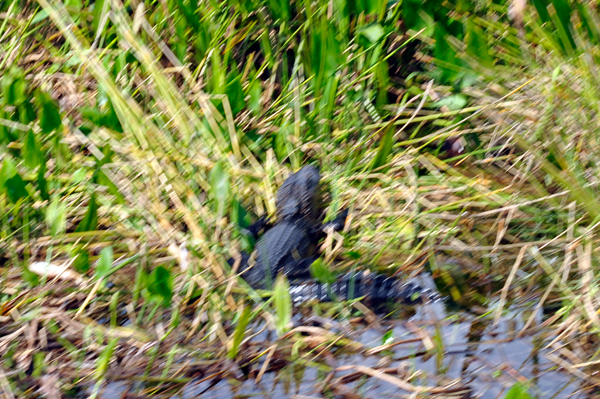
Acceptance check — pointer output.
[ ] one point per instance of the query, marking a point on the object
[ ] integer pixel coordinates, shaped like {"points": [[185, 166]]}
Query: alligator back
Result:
{"points": [[299, 197], [281, 249]]}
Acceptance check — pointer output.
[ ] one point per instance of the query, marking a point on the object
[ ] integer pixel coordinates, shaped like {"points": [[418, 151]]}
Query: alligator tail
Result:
{"points": [[372, 286]]}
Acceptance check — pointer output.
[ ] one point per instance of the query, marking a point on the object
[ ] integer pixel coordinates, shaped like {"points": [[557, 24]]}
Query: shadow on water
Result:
{"points": [[436, 344]]}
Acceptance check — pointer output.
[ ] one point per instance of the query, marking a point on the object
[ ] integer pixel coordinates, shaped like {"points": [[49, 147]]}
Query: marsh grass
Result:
{"points": [[161, 130]]}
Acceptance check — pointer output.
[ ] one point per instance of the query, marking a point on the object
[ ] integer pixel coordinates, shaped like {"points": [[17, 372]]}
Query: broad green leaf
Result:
{"points": [[81, 264], [588, 17], [563, 23], [254, 92], [40, 16], [103, 115], [241, 219], [110, 119], [90, 220], [104, 358], [160, 284], [218, 74], [30, 277], [235, 93], [39, 364], [31, 151], [518, 391], [445, 56], [180, 39], [98, 13], [42, 184], [240, 332], [79, 176], [283, 304], [454, 102], [121, 62], [280, 9], [541, 8], [328, 101], [320, 271], [101, 178], [5, 136], [238, 214], [105, 262], [8, 171], [385, 148], [26, 113], [477, 44], [282, 141], [47, 112], [388, 338], [416, 17], [219, 184], [188, 12], [383, 80], [15, 188], [373, 32], [56, 217], [91, 114], [561, 35], [14, 86]]}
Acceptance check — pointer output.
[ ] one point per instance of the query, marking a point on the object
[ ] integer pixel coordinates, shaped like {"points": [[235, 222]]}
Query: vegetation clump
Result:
{"points": [[139, 141]]}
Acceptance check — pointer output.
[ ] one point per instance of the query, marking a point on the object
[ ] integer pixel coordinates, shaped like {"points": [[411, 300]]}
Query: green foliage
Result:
{"points": [[14, 87], [388, 338], [220, 188], [331, 80], [100, 177], [81, 264], [39, 364], [518, 391], [235, 92], [240, 331], [159, 286], [49, 114], [31, 151], [477, 43], [385, 147], [31, 120], [104, 263], [241, 219], [42, 183], [239, 215], [322, 273], [103, 114], [283, 304], [56, 217], [90, 220], [104, 358], [11, 182], [453, 102]]}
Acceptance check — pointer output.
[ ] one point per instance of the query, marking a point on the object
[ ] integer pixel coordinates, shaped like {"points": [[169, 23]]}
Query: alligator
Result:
{"points": [[374, 287], [290, 246]]}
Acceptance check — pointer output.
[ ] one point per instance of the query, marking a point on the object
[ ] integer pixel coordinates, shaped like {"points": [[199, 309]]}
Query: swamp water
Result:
{"points": [[487, 359]]}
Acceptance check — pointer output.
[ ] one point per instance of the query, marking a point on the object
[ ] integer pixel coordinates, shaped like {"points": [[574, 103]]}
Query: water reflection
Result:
{"points": [[487, 359]]}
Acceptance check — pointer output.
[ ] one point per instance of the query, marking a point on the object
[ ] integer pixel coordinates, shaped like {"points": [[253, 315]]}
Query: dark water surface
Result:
{"points": [[487, 359]]}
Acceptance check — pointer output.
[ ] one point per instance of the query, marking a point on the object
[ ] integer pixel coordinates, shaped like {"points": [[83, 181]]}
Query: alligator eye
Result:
{"points": [[295, 254]]}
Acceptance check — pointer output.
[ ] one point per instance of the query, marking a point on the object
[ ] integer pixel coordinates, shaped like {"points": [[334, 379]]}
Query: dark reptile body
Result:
{"points": [[371, 286], [280, 249], [290, 247]]}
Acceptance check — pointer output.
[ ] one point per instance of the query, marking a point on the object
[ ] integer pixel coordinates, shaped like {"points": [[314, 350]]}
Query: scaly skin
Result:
{"points": [[371, 286], [290, 247]]}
